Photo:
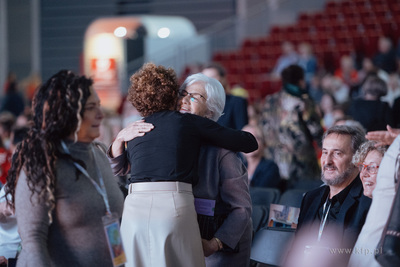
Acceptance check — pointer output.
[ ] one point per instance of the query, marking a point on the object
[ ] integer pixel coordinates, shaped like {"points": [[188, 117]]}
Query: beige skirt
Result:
{"points": [[159, 226]]}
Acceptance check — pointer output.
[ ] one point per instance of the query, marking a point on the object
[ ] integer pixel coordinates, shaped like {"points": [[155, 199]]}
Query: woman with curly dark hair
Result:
{"points": [[60, 183], [159, 224]]}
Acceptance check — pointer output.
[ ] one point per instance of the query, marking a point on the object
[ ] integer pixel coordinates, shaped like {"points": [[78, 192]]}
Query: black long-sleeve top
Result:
{"points": [[170, 151]]}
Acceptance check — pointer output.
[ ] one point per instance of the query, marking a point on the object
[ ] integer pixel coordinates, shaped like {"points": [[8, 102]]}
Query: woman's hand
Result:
{"points": [[383, 137], [209, 246], [133, 130]]}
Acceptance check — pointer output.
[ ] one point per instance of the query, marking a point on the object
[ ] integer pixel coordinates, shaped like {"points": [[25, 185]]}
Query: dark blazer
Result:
{"points": [[352, 215], [266, 174], [235, 113]]}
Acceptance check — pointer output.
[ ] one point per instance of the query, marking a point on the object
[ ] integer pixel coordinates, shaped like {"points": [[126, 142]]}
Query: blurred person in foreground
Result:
{"points": [[159, 224], [382, 200], [340, 204], [292, 128], [60, 183]]}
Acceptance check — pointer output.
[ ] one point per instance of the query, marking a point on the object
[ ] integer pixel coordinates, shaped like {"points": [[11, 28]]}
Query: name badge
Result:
{"points": [[204, 206], [114, 240]]}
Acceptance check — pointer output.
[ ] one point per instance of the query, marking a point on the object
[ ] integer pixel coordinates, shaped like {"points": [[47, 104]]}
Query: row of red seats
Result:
{"points": [[346, 27]]}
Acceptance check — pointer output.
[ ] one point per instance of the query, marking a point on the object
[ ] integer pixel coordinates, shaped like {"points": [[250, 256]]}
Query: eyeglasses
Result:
{"points": [[194, 97], [371, 168]]}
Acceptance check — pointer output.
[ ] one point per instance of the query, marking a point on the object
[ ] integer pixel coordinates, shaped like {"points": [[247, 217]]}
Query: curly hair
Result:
{"points": [[57, 113], [364, 149], [153, 88]]}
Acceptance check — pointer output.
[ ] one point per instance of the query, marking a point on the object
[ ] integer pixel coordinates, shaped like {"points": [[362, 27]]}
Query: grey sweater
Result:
{"points": [[76, 237]]}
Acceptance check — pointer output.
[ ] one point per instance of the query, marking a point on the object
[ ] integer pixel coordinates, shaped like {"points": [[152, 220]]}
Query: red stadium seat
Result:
{"points": [[342, 27]]}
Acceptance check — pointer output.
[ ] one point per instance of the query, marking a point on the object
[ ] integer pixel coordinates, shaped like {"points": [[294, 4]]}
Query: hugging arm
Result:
{"points": [[133, 130], [116, 153], [217, 135]]}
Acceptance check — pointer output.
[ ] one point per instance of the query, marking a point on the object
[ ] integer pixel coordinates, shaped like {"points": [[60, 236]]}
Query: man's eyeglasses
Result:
{"points": [[194, 97], [371, 168]]}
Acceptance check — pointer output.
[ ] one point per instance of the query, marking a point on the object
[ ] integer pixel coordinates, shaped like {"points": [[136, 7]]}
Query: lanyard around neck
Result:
{"points": [[324, 218], [100, 189]]}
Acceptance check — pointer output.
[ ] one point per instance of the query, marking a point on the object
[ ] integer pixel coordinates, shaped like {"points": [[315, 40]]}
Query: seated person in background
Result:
{"points": [[367, 69], [328, 102], [393, 89], [339, 205], [348, 121], [383, 196], [307, 60], [235, 111], [347, 72], [262, 172], [289, 56], [369, 110], [368, 158], [385, 58]]}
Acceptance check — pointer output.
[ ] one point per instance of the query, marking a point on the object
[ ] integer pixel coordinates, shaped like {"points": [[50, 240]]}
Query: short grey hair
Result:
{"points": [[356, 133], [215, 93], [364, 149]]}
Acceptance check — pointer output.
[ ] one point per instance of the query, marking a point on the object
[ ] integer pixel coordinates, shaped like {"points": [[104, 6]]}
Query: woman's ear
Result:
{"points": [[209, 114]]}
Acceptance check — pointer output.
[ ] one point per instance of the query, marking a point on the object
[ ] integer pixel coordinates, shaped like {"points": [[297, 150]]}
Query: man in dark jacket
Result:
{"points": [[339, 206]]}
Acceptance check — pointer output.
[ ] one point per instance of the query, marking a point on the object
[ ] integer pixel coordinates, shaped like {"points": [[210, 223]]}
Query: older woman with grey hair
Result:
{"points": [[368, 158], [369, 110], [222, 195], [214, 103]]}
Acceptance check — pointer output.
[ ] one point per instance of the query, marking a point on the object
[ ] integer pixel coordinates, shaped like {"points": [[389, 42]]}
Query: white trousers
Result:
{"points": [[159, 226]]}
